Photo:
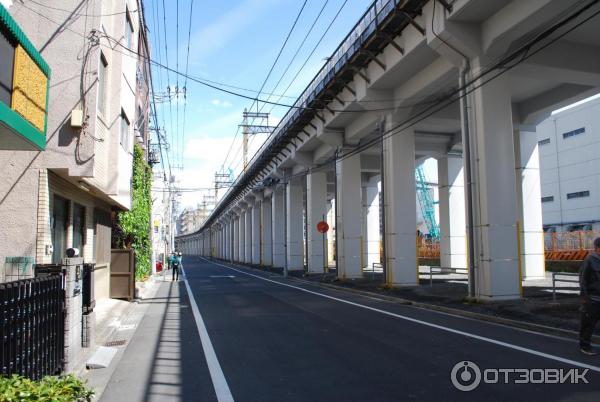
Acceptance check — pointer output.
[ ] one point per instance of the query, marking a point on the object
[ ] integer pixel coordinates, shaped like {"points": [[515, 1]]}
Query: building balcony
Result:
{"points": [[24, 88]]}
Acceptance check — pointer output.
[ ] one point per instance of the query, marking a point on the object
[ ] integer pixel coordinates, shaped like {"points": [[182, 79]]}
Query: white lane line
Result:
{"points": [[216, 373], [428, 324]]}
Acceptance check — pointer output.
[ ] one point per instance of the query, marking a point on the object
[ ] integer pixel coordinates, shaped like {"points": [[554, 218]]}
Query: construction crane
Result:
{"points": [[426, 202]]}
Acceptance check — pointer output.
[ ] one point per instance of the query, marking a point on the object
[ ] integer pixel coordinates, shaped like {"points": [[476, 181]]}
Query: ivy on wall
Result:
{"points": [[134, 224]]}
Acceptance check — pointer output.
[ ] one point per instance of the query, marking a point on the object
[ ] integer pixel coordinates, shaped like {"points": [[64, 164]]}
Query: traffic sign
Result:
{"points": [[322, 227]]}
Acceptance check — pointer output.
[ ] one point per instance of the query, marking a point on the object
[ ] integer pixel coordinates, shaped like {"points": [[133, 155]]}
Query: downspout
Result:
{"points": [[337, 232], [382, 206], [285, 228], [466, 140]]}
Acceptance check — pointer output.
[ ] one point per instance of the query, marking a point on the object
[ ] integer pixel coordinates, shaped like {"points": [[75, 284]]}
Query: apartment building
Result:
{"points": [[569, 149], [64, 191]]}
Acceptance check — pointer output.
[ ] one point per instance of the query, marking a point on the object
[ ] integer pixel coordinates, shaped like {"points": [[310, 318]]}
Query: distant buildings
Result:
{"points": [[191, 219], [569, 149]]}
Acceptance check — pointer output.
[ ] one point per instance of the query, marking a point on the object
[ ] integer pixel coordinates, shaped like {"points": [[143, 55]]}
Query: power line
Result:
{"points": [[79, 14], [187, 65], [279, 54], [312, 52], [297, 51], [168, 69], [208, 84], [519, 55], [177, 128]]}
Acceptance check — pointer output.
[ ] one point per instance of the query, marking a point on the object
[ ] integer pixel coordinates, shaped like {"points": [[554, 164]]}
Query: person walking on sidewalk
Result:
{"points": [[177, 266], [589, 280], [171, 260]]}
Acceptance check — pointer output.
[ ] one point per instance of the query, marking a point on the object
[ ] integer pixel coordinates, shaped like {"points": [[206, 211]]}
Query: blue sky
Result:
{"points": [[234, 42]]}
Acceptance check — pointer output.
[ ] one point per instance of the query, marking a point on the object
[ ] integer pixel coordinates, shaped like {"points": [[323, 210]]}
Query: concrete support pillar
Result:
{"points": [[529, 197], [227, 241], [236, 239], [230, 240], [348, 222], [294, 235], [372, 236], [222, 240], [266, 249], [453, 234], [331, 234], [400, 209], [278, 220], [242, 234], [496, 247], [248, 236], [316, 196], [256, 232]]}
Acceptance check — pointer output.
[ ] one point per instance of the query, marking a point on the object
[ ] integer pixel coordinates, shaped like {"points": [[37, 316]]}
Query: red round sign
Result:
{"points": [[322, 227]]}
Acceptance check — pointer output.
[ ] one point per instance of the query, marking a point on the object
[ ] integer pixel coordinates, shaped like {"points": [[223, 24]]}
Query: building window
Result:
{"points": [[550, 198], [7, 57], [102, 84], [578, 194], [128, 31], [574, 133], [78, 227], [124, 138], [58, 224], [544, 141]]}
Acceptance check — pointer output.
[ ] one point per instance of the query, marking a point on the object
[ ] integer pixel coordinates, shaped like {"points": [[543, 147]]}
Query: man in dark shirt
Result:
{"points": [[589, 280]]}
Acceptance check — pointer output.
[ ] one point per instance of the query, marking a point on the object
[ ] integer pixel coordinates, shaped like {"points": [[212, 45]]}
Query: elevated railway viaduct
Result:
{"points": [[463, 81]]}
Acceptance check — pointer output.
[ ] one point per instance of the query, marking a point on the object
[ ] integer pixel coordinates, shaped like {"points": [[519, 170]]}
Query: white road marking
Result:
{"points": [[216, 373], [428, 324], [222, 276]]}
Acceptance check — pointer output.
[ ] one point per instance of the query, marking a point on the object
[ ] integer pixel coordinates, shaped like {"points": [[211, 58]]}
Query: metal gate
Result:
{"points": [[32, 326], [122, 274]]}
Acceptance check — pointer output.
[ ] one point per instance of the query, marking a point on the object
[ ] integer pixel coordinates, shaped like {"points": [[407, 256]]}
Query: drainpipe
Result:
{"points": [[335, 212], [285, 228], [382, 206], [466, 140]]}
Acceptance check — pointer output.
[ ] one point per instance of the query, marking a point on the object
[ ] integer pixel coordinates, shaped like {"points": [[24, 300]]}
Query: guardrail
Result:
{"points": [[555, 280], [442, 270]]}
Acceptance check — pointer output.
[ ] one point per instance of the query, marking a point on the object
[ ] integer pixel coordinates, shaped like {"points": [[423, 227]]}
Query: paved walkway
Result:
{"points": [[164, 359]]}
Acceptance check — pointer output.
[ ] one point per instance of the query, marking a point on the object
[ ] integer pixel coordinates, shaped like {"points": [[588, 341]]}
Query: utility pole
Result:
{"points": [[251, 129], [245, 133]]}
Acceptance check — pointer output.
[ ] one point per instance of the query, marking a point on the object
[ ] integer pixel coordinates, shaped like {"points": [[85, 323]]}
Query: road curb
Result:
{"points": [[538, 328]]}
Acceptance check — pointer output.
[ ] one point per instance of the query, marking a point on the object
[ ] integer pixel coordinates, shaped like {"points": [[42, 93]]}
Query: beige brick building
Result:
{"points": [[64, 196]]}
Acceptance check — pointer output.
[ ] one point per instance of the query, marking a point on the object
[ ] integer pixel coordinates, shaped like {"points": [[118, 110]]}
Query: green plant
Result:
{"points": [[135, 223], [66, 388]]}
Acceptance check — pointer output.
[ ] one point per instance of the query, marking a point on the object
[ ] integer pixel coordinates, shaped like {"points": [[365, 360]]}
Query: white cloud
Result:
{"points": [[221, 103], [6, 3]]}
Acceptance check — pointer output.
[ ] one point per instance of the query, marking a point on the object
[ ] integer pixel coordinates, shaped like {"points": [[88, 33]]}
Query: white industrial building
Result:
{"points": [[569, 149]]}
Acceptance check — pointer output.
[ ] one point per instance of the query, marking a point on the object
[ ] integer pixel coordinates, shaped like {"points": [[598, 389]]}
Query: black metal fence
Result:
{"points": [[32, 326]]}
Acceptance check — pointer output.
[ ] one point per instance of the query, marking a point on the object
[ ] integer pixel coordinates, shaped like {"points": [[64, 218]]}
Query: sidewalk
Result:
{"points": [[162, 359]]}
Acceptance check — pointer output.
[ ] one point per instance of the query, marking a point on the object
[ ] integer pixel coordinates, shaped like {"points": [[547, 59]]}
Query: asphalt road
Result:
{"points": [[252, 336]]}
